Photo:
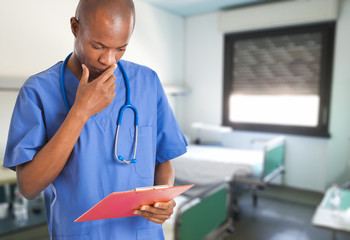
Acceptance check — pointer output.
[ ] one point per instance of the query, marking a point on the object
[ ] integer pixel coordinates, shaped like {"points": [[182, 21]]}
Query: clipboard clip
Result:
{"points": [[151, 187]]}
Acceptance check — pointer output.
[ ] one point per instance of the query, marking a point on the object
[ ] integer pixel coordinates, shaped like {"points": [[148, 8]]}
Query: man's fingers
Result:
{"points": [[85, 76], [112, 88], [156, 220], [107, 73], [165, 205], [155, 215], [110, 81], [156, 210]]}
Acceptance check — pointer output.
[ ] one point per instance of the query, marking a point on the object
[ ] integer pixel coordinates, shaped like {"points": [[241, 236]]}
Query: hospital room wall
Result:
{"points": [[311, 163], [36, 34], [339, 147], [39, 35]]}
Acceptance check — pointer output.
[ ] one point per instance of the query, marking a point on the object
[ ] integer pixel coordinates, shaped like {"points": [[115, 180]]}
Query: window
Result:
{"points": [[279, 80]]}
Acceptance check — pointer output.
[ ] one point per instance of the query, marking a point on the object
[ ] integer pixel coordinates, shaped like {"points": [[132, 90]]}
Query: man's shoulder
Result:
{"points": [[45, 77], [135, 67]]}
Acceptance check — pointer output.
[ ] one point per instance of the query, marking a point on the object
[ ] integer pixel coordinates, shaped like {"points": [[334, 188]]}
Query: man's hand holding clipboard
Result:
{"points": [[158, 212], [133, 203]]}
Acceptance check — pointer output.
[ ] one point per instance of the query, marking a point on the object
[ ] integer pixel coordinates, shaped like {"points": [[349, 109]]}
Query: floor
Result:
{"points": [[37, 233], [281, 214]]}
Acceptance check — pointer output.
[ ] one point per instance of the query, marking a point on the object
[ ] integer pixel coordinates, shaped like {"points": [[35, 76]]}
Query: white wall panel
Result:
{"points": [[278, 14]]}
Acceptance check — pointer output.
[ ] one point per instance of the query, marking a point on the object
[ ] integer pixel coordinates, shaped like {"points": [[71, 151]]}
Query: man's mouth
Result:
{"points": [[97, 71]]}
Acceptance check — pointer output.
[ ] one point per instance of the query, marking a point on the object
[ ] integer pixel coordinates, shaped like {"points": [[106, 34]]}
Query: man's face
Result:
{"points": [[101, 42]]}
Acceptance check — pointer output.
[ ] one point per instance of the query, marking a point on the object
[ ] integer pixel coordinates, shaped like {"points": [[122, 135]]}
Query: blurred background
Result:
{"points": [[219, 62]]}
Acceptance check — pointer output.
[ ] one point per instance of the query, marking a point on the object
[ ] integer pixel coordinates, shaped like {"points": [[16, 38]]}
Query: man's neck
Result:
{"points": [[74, 65]]}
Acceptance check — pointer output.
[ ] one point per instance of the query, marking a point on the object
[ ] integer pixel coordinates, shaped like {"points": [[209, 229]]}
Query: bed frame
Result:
{"points": [[206, 215], [192, 221], [274, 155]]}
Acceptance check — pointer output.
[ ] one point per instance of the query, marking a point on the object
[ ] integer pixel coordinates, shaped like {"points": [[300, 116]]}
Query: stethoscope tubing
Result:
{"points": [[63, 88], [121, 111]]}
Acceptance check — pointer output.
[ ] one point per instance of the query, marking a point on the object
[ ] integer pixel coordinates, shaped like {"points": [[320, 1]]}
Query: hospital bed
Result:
{"points": [[204, 165], [205, 215]]}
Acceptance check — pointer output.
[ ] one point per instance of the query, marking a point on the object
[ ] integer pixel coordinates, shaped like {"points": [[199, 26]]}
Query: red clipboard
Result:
{"points": [[122, 204]]}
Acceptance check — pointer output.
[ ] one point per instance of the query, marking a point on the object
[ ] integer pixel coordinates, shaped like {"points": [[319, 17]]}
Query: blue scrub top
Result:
{"points": [[92, 172]]}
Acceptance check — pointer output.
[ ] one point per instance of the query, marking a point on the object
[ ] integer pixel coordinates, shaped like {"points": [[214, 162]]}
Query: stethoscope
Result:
{"points": [[120, 117]]}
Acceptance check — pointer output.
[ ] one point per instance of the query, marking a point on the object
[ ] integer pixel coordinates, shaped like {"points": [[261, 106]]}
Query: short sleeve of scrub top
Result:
{"points": [[169, 134], [27, 134]]}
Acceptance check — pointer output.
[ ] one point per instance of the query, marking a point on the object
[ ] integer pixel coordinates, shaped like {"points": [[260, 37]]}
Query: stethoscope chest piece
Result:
{"points": [[120, 158]]}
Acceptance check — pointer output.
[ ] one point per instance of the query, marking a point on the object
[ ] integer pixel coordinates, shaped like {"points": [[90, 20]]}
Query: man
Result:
{"points": [[70, 155]]}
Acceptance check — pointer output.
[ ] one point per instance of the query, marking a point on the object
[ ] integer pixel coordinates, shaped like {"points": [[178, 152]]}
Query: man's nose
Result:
{"points": [[108, 57]]}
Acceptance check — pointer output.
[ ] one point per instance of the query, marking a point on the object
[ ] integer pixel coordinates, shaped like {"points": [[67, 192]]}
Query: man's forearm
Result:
{"points": [[164, 174]]}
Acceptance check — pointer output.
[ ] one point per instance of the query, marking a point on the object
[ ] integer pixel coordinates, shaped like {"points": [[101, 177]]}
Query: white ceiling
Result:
{"points": [[193, 7]]}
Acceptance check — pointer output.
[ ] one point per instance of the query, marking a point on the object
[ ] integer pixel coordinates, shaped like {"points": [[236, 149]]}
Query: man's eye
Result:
{"points": [[97, 47]]}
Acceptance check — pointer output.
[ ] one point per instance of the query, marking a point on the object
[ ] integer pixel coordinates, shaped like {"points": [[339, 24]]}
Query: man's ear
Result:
{"points": [[74, 24]]}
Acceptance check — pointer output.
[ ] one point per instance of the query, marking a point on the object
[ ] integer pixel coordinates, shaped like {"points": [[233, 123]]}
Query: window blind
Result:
{"points": [[277, 65]]}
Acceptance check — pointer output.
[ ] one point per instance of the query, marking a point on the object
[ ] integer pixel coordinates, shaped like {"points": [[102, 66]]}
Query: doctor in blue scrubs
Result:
{"points": [[69, 152]]}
